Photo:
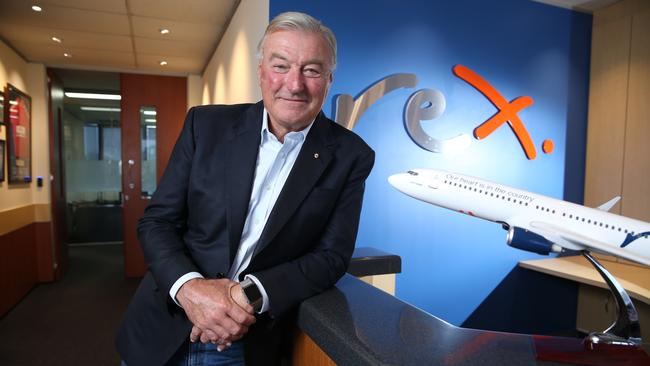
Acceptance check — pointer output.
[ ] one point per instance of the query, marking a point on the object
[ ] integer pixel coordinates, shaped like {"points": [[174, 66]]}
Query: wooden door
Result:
{"points": [[152, 109], [57, 176]]}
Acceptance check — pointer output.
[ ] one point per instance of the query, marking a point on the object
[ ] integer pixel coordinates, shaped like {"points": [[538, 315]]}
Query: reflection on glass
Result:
{"points": [[148, 146], [92, 152], [91, 141]]}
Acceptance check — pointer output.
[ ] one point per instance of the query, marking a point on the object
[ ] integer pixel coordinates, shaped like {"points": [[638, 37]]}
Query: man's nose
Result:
{"points": [[294, 81]]}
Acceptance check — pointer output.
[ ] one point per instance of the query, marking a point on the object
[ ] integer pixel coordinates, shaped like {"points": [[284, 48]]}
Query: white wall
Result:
{"points": [[231, 74]]}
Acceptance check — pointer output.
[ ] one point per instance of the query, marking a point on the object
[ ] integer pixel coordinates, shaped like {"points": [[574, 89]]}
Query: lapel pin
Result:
{"points": [[316, 155]]}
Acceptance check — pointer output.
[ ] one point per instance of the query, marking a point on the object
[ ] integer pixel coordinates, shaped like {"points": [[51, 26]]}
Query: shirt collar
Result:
{"points": [[265, 128]]}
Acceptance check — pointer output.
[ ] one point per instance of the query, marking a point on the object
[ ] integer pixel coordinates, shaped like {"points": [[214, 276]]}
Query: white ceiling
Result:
{"points": [[117, 35], [123, 35]]}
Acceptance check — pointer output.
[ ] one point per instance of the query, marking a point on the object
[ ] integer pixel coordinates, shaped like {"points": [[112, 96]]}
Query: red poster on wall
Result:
{"points": [[18, 112]]}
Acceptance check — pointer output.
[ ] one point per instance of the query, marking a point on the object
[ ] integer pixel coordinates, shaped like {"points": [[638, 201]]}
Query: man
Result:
{"points": [[257, 210]]}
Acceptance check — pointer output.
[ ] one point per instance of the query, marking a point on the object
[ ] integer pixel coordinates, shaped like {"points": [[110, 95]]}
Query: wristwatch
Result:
{"points": [[252, 293]]}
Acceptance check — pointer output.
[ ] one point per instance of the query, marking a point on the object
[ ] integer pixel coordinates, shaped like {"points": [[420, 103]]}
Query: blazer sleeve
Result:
{"points": [[161, 228], [291, 282]]}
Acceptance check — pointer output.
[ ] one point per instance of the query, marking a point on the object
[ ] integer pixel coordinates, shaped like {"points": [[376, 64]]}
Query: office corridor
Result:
{"points": [[73, 321]]}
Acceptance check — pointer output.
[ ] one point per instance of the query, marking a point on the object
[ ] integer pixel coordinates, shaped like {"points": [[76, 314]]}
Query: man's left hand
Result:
{"points": [[205, 336]]}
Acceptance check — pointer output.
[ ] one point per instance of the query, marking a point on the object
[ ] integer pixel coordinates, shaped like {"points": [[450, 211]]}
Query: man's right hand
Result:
{"points": [[210, 307]]}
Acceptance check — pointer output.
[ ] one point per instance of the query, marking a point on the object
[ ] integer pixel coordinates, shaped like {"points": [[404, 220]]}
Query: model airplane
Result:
{"points": [[534, 222]]}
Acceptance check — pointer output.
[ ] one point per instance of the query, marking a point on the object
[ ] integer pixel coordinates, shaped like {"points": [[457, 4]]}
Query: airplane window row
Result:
{"points": [[588, 221], [546, 209], [491, 194]]}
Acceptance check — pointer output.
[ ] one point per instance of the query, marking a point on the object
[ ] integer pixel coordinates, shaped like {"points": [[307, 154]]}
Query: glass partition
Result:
{"points": [[92, 148], [92, 158]]}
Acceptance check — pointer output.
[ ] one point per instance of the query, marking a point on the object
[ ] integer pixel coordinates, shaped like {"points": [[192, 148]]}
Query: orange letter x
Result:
{"points": [[507, 111]]}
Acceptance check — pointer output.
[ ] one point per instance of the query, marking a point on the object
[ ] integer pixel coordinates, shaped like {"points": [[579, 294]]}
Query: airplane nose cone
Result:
{"points": [[397, 181]]}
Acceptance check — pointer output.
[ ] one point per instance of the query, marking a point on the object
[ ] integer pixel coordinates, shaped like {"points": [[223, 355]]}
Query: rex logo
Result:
{"points": [[429, 104], [507, 112]]}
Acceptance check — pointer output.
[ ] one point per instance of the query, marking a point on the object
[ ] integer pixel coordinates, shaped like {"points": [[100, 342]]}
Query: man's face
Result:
{"points": [[294, 75]]}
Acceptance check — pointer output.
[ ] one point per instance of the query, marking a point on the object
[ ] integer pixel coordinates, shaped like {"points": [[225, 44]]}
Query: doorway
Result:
{"points": [[91, 153], [152, 114], [116, 134]]}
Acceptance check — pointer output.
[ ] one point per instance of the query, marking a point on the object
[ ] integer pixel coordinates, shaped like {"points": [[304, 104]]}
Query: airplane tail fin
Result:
{"points": [[609, 204]]}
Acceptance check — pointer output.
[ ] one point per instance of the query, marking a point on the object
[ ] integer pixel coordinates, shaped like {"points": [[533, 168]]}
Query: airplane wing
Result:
{"points": [[552, 232]]}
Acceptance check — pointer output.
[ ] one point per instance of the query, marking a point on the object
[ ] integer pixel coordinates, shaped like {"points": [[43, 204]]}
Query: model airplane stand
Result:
{"points": [[626, 330], [620, 344]]}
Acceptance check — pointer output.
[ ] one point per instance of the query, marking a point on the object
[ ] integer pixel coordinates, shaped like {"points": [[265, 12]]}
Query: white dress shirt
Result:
{"points": [[274, 162]]}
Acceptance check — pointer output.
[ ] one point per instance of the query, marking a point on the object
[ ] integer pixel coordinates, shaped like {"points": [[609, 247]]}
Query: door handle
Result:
{"points": [[129, 175]]}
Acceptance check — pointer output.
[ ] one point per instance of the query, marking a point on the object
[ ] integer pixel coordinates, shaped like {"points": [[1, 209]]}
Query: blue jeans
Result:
{"points": [[200, 354], [206, 354]]}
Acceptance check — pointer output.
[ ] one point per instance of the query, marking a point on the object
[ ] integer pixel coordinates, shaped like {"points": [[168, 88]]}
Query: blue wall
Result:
{"points": [[452, 262]]}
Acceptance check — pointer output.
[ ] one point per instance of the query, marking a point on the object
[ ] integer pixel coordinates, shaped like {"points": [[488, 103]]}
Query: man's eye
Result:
{"points": [[311, 73], [280, 68]]}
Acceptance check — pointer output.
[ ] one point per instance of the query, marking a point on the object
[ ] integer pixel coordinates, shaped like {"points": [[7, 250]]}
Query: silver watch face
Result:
{"points": [[246, 286], [252, 294]]}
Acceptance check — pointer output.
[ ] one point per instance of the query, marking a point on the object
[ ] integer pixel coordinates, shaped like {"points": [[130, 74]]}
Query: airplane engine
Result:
{"points": [[527, 240]]}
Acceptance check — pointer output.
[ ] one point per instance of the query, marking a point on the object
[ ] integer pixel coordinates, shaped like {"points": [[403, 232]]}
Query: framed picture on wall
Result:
{"points": [[18, 120], [2, 106], [2, 161]]}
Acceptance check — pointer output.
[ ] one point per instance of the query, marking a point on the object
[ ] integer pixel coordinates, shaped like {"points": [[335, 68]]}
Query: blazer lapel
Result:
{"points": [[240, 170], [314, 157]]}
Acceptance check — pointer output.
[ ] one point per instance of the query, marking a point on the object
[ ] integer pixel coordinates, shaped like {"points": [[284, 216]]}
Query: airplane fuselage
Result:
{"points": [[514, 207]]}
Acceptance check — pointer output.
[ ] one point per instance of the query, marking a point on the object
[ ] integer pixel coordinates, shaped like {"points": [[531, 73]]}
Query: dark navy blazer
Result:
{"points": [[196, 216]]}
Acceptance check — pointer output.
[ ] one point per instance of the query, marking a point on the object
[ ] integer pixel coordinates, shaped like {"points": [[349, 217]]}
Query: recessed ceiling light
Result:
{"points": [[93, 96], [164, 31], [36, 8], [56, 39], [163, 63], [68, 55]]}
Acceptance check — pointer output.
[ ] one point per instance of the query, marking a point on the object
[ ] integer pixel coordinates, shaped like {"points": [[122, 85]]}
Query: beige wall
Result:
{"points": [[618, 151], [30, 78], [37, 86], [231, 75], [194, 90]]}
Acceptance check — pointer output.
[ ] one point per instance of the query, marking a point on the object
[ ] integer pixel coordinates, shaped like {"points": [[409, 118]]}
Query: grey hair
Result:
{"points": [[299, 22]]}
